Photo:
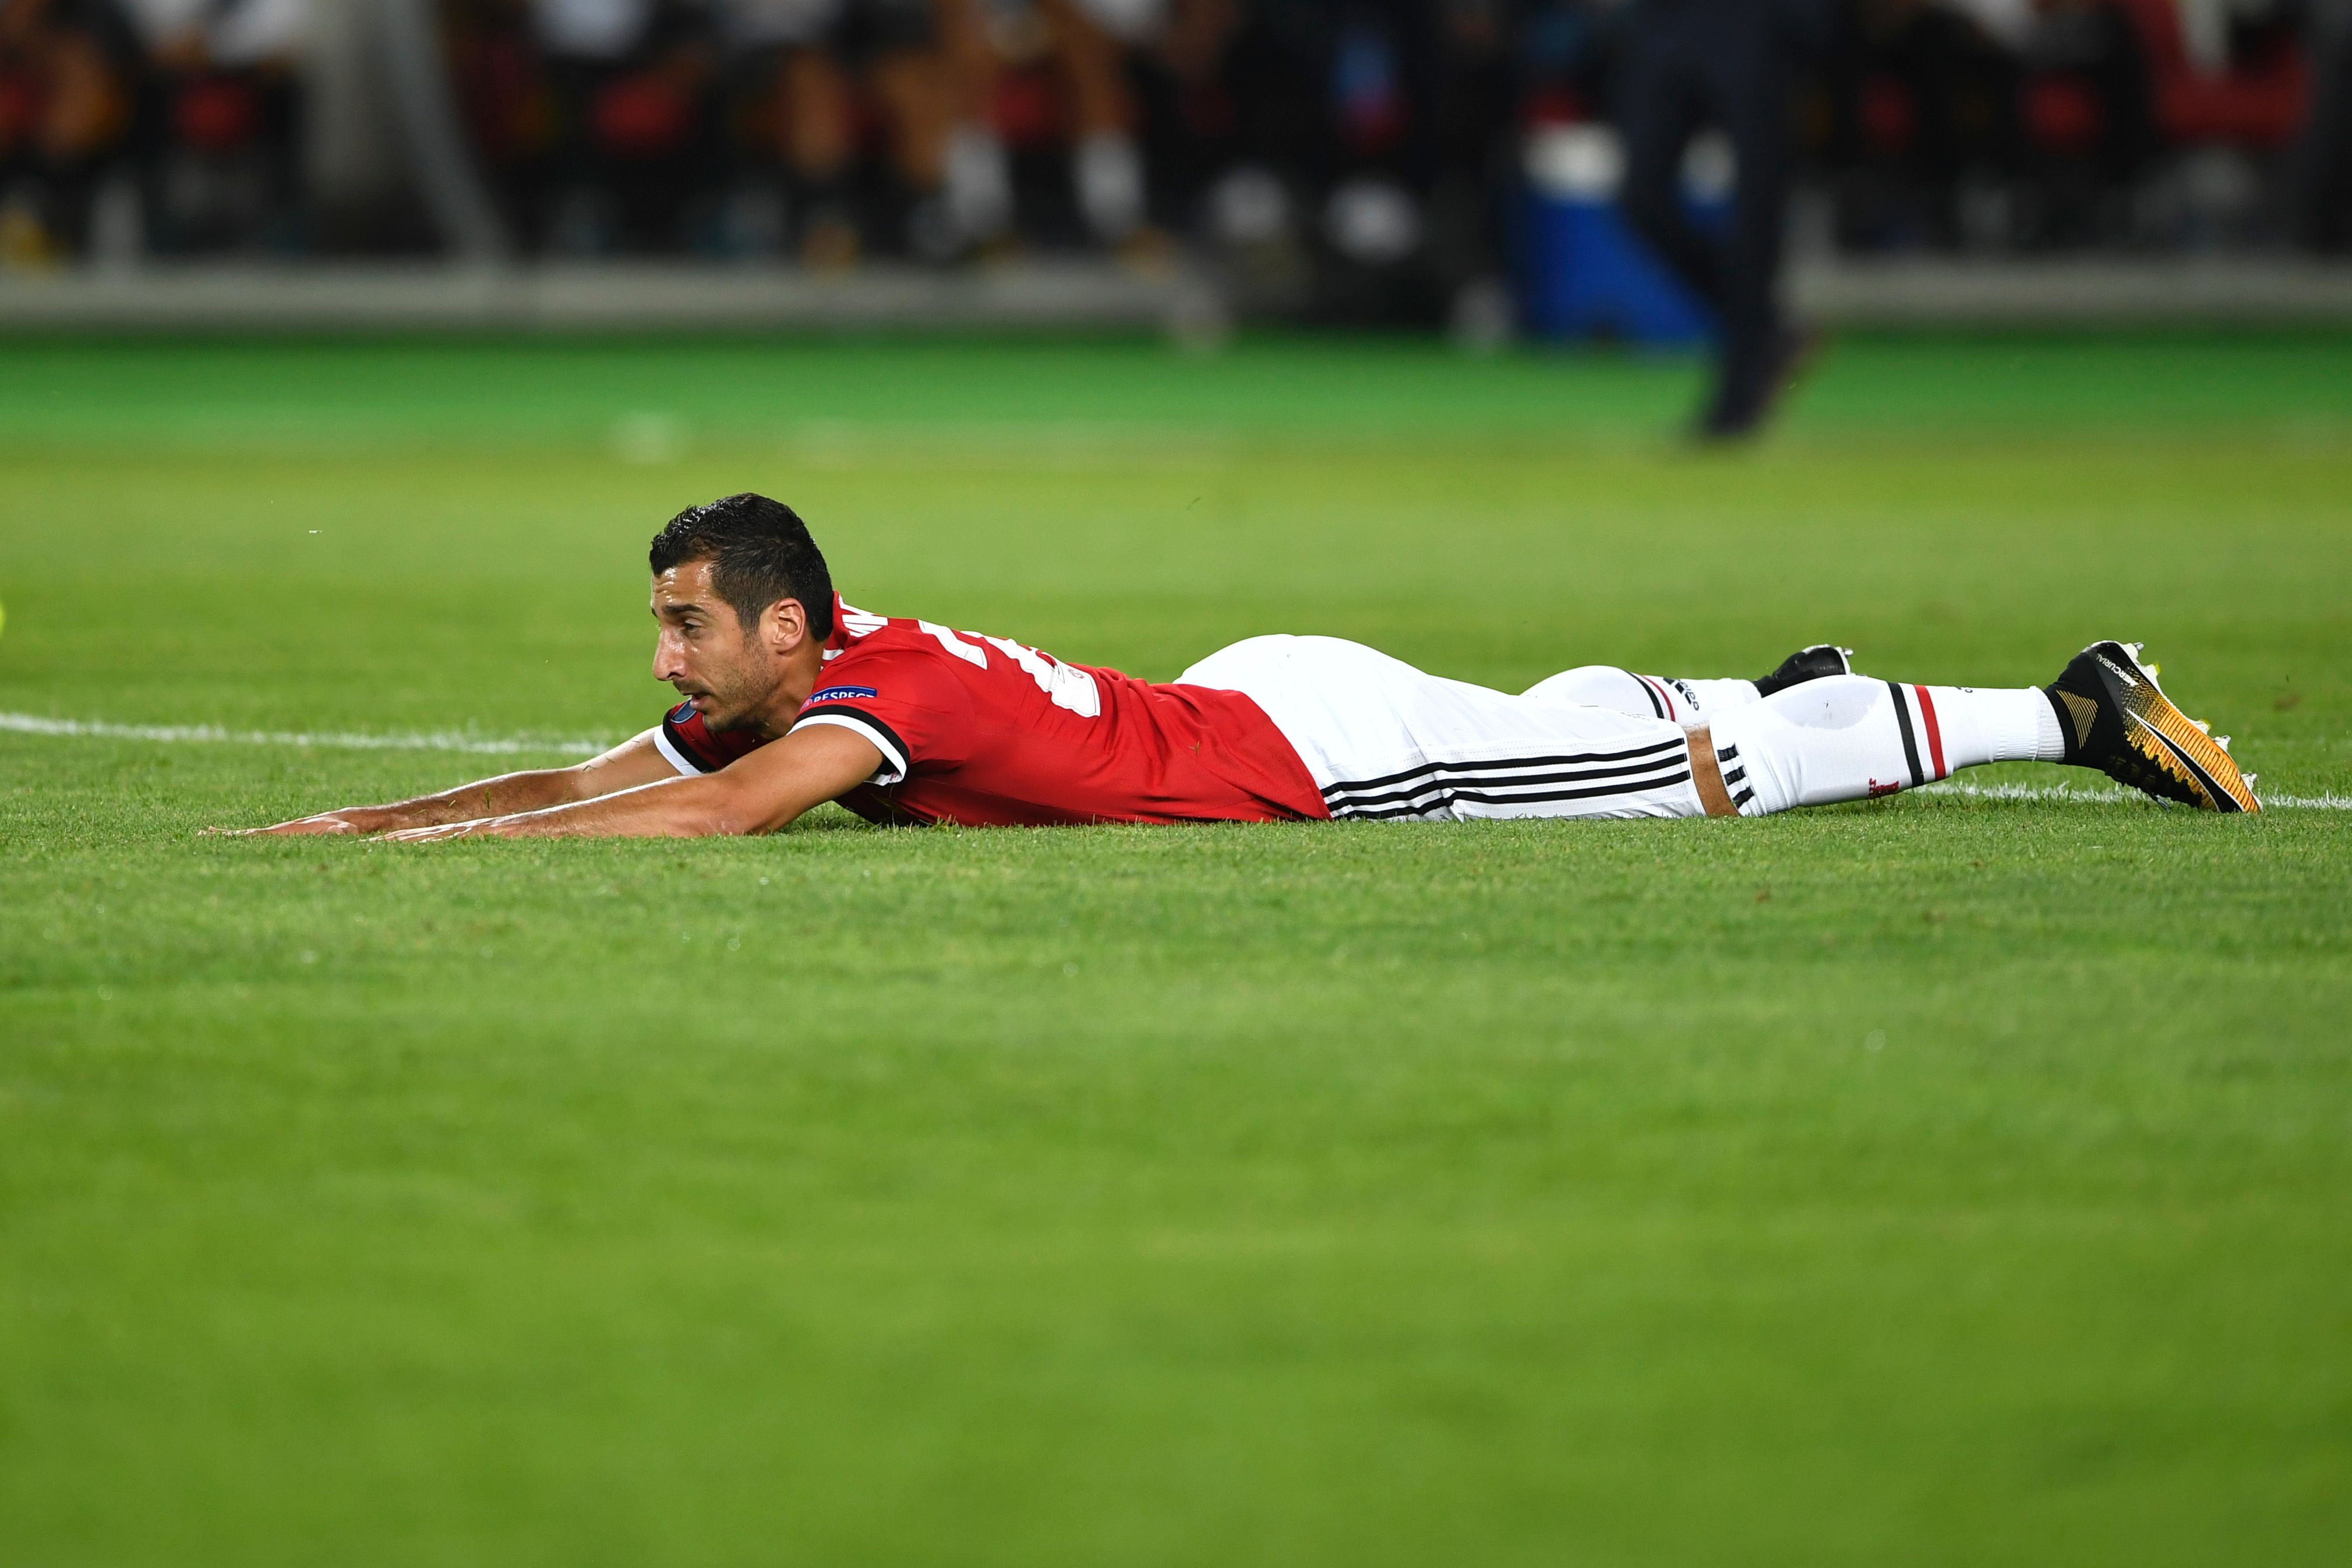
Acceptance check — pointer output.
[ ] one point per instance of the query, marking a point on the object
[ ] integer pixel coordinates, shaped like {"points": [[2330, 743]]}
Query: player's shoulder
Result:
{"points": [[884, 659]]}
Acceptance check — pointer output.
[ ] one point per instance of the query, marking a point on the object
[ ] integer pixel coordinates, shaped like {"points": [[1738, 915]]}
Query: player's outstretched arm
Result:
{"points": [[631, 764], [757, 794]]}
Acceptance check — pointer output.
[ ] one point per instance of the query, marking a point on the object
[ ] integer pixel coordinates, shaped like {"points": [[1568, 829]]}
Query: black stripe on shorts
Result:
{"points": [[1574, 760], [1447, 794], [1451, 778]]}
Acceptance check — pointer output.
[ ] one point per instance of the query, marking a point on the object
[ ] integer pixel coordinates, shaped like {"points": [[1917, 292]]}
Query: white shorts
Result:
{"points": [[1388, 741]]}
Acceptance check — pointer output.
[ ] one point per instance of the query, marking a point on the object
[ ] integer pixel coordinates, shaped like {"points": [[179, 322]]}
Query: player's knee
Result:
{"points": [[1833, 702]]}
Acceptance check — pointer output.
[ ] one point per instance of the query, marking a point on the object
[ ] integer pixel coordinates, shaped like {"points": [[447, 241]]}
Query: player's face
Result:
{"points": [[703, 650]]}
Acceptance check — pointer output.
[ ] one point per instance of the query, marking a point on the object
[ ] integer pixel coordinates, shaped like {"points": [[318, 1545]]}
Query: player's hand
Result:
{"points": [[326, 822]]}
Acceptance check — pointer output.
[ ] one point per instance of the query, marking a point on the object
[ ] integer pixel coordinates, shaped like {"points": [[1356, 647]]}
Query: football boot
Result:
{"points": [[1807, 664], [2116, 719]]}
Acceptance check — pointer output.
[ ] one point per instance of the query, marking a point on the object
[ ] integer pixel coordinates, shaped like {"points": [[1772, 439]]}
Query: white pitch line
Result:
{"points": [[477, 745], [2059, 792], [212, 734]]}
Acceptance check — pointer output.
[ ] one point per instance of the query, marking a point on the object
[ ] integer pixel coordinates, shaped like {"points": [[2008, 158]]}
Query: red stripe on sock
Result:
{"points": [[1934, 732], [1668, 697]]}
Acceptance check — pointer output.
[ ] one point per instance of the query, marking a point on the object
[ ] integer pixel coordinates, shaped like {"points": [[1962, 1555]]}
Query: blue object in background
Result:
{"points": [[1582, 272]]}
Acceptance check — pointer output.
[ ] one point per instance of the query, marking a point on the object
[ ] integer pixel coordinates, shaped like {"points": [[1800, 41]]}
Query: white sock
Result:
{"points": [[1848, 737], [1685, 701], [979, 182], [1109, 173], [2006, 725]]}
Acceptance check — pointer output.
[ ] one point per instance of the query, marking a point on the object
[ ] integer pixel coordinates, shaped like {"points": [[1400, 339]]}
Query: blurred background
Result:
{"points": [[1424, 164]]}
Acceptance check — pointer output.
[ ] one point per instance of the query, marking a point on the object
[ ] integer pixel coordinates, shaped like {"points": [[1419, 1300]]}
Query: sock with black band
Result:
{"points": [[1850, 737]]}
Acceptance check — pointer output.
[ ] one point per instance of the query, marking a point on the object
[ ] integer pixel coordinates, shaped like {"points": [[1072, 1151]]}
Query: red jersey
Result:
{"points": [[987, 732]]}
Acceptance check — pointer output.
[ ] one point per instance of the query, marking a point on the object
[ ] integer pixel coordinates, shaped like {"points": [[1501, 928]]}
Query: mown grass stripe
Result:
{"points": [[339, 741]]}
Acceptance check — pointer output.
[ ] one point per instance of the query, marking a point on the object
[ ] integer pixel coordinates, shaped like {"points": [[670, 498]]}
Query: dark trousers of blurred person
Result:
{"points": [[1688, 65], [2323, 193]]}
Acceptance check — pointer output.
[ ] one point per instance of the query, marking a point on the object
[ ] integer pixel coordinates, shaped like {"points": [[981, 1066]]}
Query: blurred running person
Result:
{"points": [[1688, 64], [792, 697]]}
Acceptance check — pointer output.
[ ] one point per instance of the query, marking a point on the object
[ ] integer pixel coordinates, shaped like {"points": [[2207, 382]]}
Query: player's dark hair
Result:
{"points": [[760, 551]]}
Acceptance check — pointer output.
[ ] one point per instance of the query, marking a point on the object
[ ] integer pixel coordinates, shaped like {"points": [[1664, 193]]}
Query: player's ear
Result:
{"points": [[787, 624]]}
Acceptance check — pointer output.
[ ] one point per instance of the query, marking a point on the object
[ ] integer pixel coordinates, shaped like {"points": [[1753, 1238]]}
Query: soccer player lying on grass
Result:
{"points": [[792, 697]]}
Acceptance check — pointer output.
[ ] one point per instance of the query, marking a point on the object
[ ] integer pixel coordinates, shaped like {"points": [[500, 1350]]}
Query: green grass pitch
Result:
{"points": [[1953, 1180]]}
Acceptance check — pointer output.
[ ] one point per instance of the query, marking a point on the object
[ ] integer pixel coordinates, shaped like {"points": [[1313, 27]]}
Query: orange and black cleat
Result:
{"points": [[2117, 720]]}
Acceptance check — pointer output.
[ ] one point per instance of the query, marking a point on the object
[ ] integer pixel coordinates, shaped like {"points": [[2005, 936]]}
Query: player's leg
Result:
{"points": [[1686, 700], [1851, 737], [1387, 741]]}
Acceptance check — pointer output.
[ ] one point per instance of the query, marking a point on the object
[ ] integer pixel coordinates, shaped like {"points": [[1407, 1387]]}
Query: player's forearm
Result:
{"points": [[760, 794], [680, 808], [505, 795]]}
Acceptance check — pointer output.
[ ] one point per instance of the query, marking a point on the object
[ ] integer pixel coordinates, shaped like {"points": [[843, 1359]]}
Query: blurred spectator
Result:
{"points": [[2060, 124], [1375, 162], [635, 139], [221, 127], [1040, 79], [898, 51], [1189, 104], [793, 104], [1923, 108], [1475, 124], [2089, 120], [67, 74], [499, 77], [810, 76], [1355, 160], [1364, 153]]}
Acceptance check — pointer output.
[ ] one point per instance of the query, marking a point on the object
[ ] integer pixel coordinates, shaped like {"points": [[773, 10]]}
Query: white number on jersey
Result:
{"points": [[954, 644], [1065, 685]]}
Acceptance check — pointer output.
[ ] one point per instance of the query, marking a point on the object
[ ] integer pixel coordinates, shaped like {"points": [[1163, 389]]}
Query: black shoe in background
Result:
{"points": [[1743, 406], [1807, 664]]}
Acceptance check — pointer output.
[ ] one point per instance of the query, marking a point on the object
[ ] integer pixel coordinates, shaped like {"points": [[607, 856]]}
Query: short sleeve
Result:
{"points": [[917, 714], [688, 744]]}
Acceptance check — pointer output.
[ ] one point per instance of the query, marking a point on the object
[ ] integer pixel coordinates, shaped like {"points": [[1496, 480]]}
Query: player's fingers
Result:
{"points": [[324, 823]]}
